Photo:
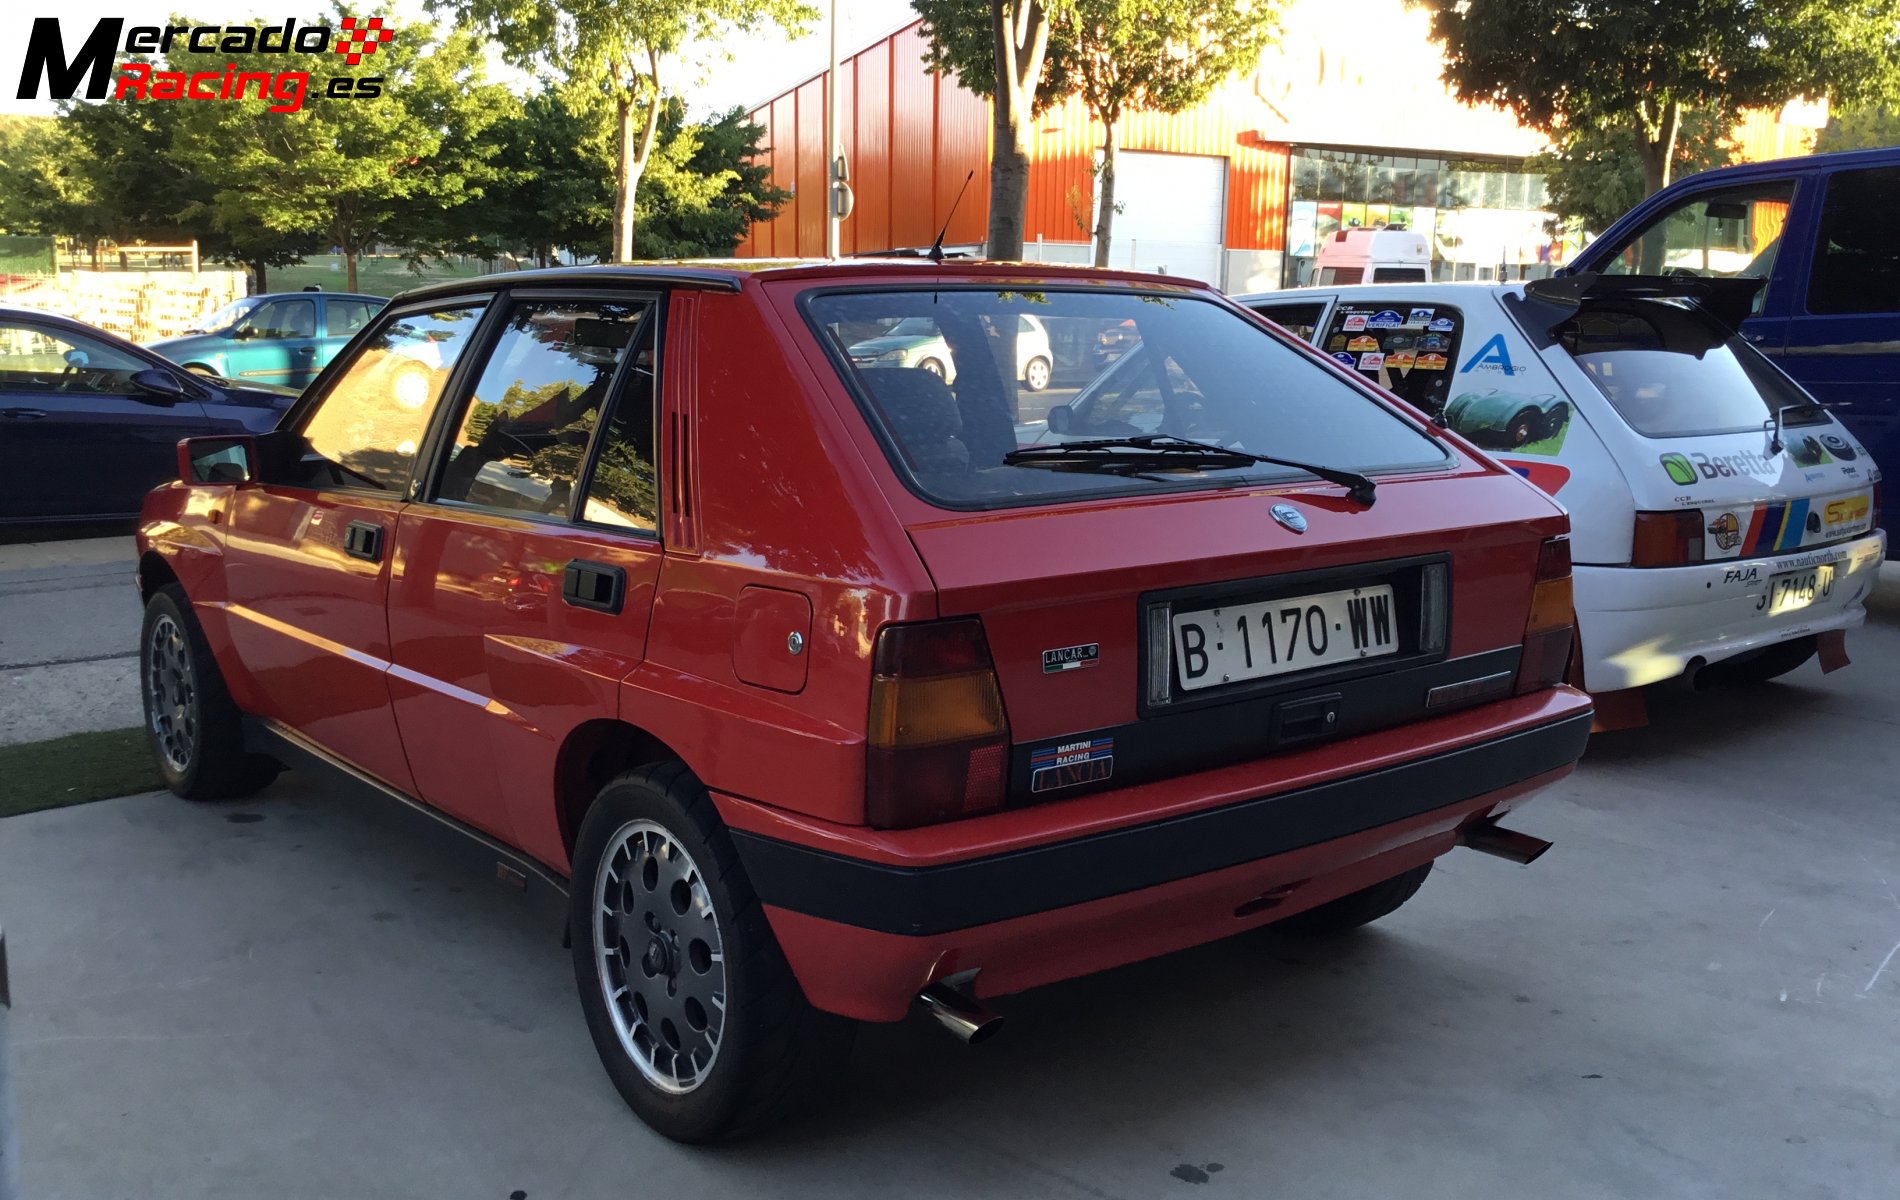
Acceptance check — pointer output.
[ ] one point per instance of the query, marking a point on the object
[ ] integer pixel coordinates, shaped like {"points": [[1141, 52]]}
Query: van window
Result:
{"points": [[1398, 274], [1406, 347], [1341, 276], [1857, 253], [1671, 370], [1735, 231]]}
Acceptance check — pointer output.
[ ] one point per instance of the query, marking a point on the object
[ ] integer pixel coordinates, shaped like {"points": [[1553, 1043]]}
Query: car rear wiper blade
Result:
{"points": [[1167, 448]]}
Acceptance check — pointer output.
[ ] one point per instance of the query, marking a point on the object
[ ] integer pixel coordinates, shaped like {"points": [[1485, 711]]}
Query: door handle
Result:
{"points": [[1754, 337], [23, 414], [364, 540], [594, 585]]}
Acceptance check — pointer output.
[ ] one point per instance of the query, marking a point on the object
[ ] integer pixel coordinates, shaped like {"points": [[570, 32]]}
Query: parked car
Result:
{"points": [[282, 338], [70, 393], [1817, 230], [1722, 522], [917, 342], [823, 698]]}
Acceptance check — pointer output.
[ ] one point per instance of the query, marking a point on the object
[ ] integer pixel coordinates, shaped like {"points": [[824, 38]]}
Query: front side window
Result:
{"points": [[1857, 252], [365, 430], [1671, 370], [277, 321], [1182, 366], [35, 359], [1734, 231], [525, 431]]}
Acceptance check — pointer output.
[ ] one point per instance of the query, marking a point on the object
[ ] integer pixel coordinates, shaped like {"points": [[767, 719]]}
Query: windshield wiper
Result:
{"points": [[1163, 450]]}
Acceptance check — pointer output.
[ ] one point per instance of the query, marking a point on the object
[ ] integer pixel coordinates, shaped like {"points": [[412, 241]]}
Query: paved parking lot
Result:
{"points": [[1696, 994]]}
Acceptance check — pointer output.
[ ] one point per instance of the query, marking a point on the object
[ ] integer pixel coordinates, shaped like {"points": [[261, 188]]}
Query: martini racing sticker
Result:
{"points": [[1071, 764]]}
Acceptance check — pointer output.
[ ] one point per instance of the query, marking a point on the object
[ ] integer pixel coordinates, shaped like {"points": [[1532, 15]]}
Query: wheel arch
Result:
{"points": [[154, 573], [592, 754]]}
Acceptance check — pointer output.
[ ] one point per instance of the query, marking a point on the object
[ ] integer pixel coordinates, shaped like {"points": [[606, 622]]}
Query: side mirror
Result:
{"points": [[218, 459], [158, 385], [1061, 419]]}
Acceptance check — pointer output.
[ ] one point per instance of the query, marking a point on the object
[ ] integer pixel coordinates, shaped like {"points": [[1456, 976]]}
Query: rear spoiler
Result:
{"points": [[1548, 303]]}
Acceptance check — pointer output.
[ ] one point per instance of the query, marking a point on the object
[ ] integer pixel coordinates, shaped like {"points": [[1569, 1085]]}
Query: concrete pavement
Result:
{"points": [[69, 623], [1695, 994]]}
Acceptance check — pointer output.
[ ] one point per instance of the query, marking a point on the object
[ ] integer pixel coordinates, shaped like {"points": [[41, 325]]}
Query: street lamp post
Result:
{"points": [[837, 170]]}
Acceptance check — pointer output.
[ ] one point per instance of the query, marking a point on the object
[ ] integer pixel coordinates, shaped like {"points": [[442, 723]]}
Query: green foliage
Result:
{"points": [[1159, 55], [704, 187], [959, 41], [1594, 176], [1867, 128], [1639, 64]]}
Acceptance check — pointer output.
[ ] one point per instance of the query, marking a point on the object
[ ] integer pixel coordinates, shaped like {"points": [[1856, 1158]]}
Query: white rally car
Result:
{"points": [[1720, 519]]}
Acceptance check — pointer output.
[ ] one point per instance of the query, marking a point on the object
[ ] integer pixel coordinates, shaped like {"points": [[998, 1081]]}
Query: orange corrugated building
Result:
{"points": [[1343, 122]]}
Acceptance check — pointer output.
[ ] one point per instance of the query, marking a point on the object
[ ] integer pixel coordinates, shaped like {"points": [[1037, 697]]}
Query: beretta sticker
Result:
{"points": [[1384, 319], [1354, 322], [1071, 764], [1070, 658]]}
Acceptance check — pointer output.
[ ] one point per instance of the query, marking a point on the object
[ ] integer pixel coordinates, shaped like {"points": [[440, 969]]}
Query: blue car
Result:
{"points": [[282, 338], [89, 422], [1820, 232]]}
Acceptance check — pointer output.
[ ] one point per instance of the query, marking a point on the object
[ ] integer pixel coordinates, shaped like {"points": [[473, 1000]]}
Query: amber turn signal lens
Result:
{"points": [[1667, 539], [930, 712], [1550, 626]]}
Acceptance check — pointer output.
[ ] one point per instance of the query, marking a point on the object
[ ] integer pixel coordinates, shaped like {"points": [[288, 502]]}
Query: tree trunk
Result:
{"points": [[636, 147], [1658, 148], [258, 270], [1105, 194], [349, 266], [1021, 31]]}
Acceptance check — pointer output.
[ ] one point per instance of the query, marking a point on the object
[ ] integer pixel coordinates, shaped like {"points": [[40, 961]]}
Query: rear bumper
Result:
{"points": [[864, 936], [1642, 626]]}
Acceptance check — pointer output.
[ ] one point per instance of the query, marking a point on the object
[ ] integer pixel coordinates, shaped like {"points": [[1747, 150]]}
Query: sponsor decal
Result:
{"points": [[1372, 361], [1433, 341], [1400, 361], [1838, 447], [1741, 575], [1397, 341], [1363, 342], [1354, 322], [1807, 452], [1679, 469], [1847, 515], [1492, 356], [89, 70], [1070, 658], [1419, 316], [1725, 529], [1812, 476], [1345, 360], [1441, 325], [1337, 342], [1385, 318], [1070, 764], [1548, 477], [1686, 469], [1430, 362]]}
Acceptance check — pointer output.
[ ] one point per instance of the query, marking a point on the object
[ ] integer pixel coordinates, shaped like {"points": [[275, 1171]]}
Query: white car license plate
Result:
{"points": [[1244, 641], [1798, 589]]}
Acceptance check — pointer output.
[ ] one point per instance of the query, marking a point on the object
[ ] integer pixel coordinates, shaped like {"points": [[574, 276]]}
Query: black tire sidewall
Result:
{"points": [[166, 603], [705, 1113]]}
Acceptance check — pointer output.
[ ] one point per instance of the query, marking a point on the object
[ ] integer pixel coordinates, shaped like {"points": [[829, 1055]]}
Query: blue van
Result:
{"points": [[1821, 230]]}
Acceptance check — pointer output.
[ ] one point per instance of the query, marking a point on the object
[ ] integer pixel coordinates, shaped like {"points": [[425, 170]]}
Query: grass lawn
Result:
{"points": [[74, 769], [375, 276]]}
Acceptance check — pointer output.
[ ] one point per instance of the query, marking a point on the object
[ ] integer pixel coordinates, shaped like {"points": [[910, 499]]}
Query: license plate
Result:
{"points": [[1238, 642], [1798, 589]]}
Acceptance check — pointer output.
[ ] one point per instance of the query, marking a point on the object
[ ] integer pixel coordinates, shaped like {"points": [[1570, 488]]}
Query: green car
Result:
{"points": [[283, 338], [1508, 420]]}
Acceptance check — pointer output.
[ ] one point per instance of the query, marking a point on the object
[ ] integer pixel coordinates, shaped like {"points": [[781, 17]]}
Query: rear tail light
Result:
{"points": [[938, 740], [1552, 624], [1667, 539]]}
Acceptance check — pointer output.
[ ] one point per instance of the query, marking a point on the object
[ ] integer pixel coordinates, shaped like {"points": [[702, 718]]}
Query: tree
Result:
{"points": [[613, 52], [998, 49], [1867, 128], [1158, 55], [1593, 176], [708, 187], [355, 171], [1639, 65]]}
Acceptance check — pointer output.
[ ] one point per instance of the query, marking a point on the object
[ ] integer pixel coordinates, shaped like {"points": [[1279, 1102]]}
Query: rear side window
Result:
{"points": [[1857, 252], [526, 429], [1410, 349], [1672, 371], [343, 318], [1300, 320], [365, 430]]}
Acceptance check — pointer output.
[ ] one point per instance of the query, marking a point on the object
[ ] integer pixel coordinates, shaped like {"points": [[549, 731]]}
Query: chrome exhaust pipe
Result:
{"points": [[1488, 837], [963, 1015]]}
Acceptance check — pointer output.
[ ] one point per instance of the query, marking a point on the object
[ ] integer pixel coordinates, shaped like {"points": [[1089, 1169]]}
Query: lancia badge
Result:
{"points": [[1070, 658], [1290, 517]]}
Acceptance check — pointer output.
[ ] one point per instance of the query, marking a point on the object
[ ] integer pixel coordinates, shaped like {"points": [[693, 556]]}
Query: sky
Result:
{"points": [[744, 69]]}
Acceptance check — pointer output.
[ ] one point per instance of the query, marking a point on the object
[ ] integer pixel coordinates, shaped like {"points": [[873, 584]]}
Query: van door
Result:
{"points": [[1843, 337]]}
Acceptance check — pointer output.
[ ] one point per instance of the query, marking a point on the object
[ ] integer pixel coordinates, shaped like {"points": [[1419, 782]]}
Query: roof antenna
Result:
{"points": [[936, 247]]}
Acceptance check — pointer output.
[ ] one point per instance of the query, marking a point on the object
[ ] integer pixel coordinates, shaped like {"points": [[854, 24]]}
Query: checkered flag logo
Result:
{"points": [[359, 40]]}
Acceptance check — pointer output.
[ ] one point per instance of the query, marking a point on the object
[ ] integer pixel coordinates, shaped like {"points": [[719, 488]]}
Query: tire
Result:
{"points": [[206, 369], [705, 937], [1036, 374], [933, 366], [1758, 668], [1554, 421], [1354, 909], [1523, 427], [192, 724]]}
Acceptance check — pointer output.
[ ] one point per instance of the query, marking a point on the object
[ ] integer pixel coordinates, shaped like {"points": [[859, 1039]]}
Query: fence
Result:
{"points": [[139, 305]]}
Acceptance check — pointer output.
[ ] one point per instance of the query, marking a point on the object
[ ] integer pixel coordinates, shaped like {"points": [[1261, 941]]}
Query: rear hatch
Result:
{"points": [[1162, 584]]}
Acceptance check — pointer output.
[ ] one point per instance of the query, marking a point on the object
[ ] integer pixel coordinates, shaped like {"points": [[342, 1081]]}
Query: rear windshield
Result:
{"points": [[934, 372], [1672, 371]]}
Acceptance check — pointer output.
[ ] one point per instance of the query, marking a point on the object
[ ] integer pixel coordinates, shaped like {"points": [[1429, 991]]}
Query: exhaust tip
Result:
{"points": [[961, 1014], [1488, 838]]}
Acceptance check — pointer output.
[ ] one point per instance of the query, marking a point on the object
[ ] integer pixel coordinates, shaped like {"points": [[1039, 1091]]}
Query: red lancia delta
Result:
{"points": [[851, 638]]}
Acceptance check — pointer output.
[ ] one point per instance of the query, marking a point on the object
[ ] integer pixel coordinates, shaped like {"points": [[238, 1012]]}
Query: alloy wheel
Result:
{"points": [[171, 693]]}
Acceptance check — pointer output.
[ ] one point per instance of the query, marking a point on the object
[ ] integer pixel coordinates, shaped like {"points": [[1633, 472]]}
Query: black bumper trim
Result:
{"points": [[919, 901]]}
